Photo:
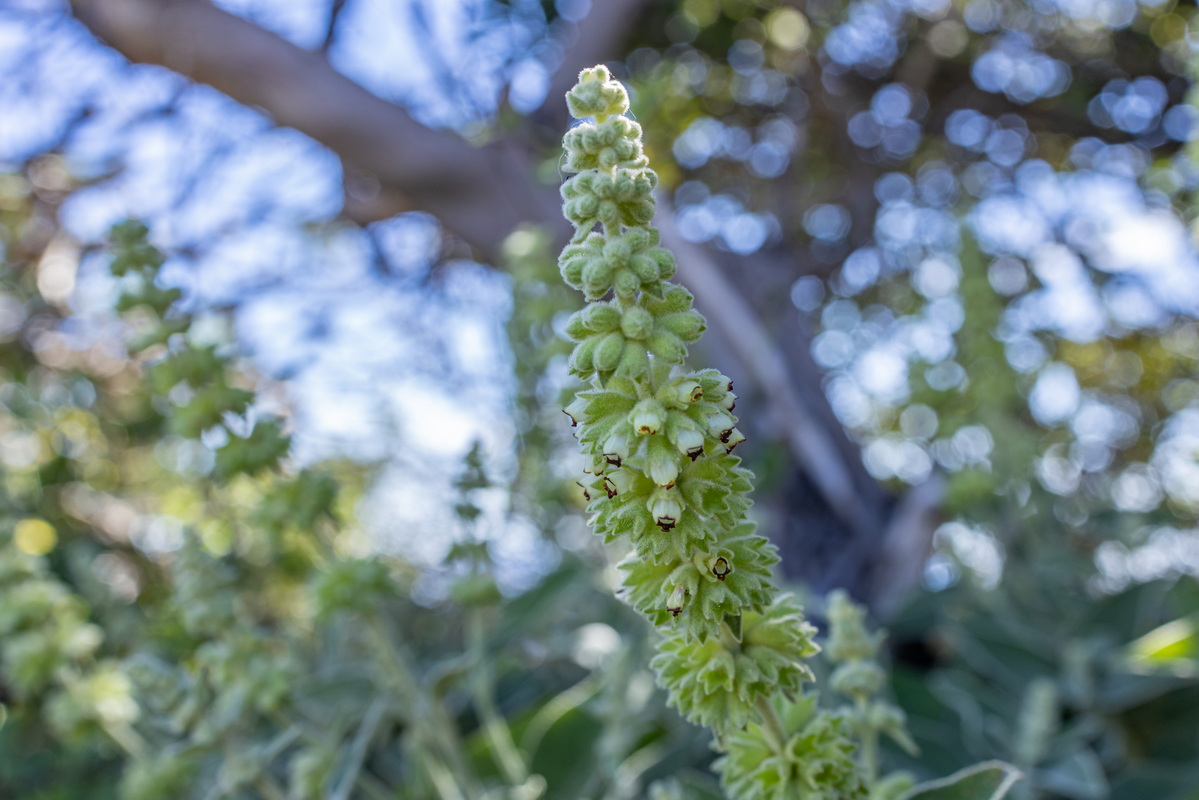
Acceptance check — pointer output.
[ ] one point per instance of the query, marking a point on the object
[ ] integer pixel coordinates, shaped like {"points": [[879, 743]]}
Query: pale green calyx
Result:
{"points": [[597, 95], [659, 438], [717, 682], [814, 760]]}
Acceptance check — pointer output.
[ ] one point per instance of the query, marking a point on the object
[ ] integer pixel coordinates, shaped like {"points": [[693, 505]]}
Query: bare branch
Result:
{"points": [[480, 193]]}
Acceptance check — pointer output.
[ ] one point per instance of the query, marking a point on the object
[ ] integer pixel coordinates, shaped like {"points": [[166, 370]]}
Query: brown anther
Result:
{"points": [[721, 568], [732, 447], [666, 523], [574, 423], [724, 435], [609, 487], [674, 612], [695, 452], [696, 394], [612, 458], [733, 405], [730, 386], [586, 494]]}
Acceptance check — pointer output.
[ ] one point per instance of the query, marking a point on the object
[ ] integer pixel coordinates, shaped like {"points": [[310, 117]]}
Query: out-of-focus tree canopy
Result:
{"points": [[943, 247]]}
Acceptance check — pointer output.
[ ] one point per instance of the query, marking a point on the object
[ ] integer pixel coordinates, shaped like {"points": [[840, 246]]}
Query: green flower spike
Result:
{"points": [[660, 473]]}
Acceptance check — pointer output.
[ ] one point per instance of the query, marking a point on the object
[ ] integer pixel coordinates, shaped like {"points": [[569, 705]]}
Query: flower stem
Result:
{"points": [[772, 726]]}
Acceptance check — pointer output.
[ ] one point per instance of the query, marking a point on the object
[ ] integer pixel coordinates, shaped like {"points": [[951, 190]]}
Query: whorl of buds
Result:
{"points": [[624, 264], [597, 95]]}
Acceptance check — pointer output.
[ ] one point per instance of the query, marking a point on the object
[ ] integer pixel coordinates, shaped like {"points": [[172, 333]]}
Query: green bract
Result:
{"points": [[815, 762], [660, 474], [717, 682]]}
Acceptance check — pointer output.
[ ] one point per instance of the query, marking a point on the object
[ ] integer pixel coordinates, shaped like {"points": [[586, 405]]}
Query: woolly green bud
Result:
{"points": [[613, 143], [597, 95], [608, 213], [636, 323], [582, 358], [625, 284], [601, 317], [668, 347], [634, 362], [687, 326], [595, 278], [625, 263], [619, 249], [608, 352]]}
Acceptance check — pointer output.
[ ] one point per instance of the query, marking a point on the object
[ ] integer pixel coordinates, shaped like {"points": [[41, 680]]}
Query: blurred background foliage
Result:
{"points": [[285, 514]]}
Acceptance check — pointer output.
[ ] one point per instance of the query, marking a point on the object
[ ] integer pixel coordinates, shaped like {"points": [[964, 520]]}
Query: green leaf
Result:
{"points": [[1079, 776], [990, 780], [1171, 649]]}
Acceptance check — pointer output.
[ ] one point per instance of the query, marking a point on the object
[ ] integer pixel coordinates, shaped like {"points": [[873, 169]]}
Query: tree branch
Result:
{"points": [[393, 163], [481, 193]]}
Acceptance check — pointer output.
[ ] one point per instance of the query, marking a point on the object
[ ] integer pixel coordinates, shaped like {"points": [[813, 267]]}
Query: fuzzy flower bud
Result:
{"points": [[617, 448], [597, 95], [608, 352], [662, 461], [576, 411], [720, 425], [636, 323], [681, 393], [678, 596], [685, 435], [648, 417], [665, 507]]}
